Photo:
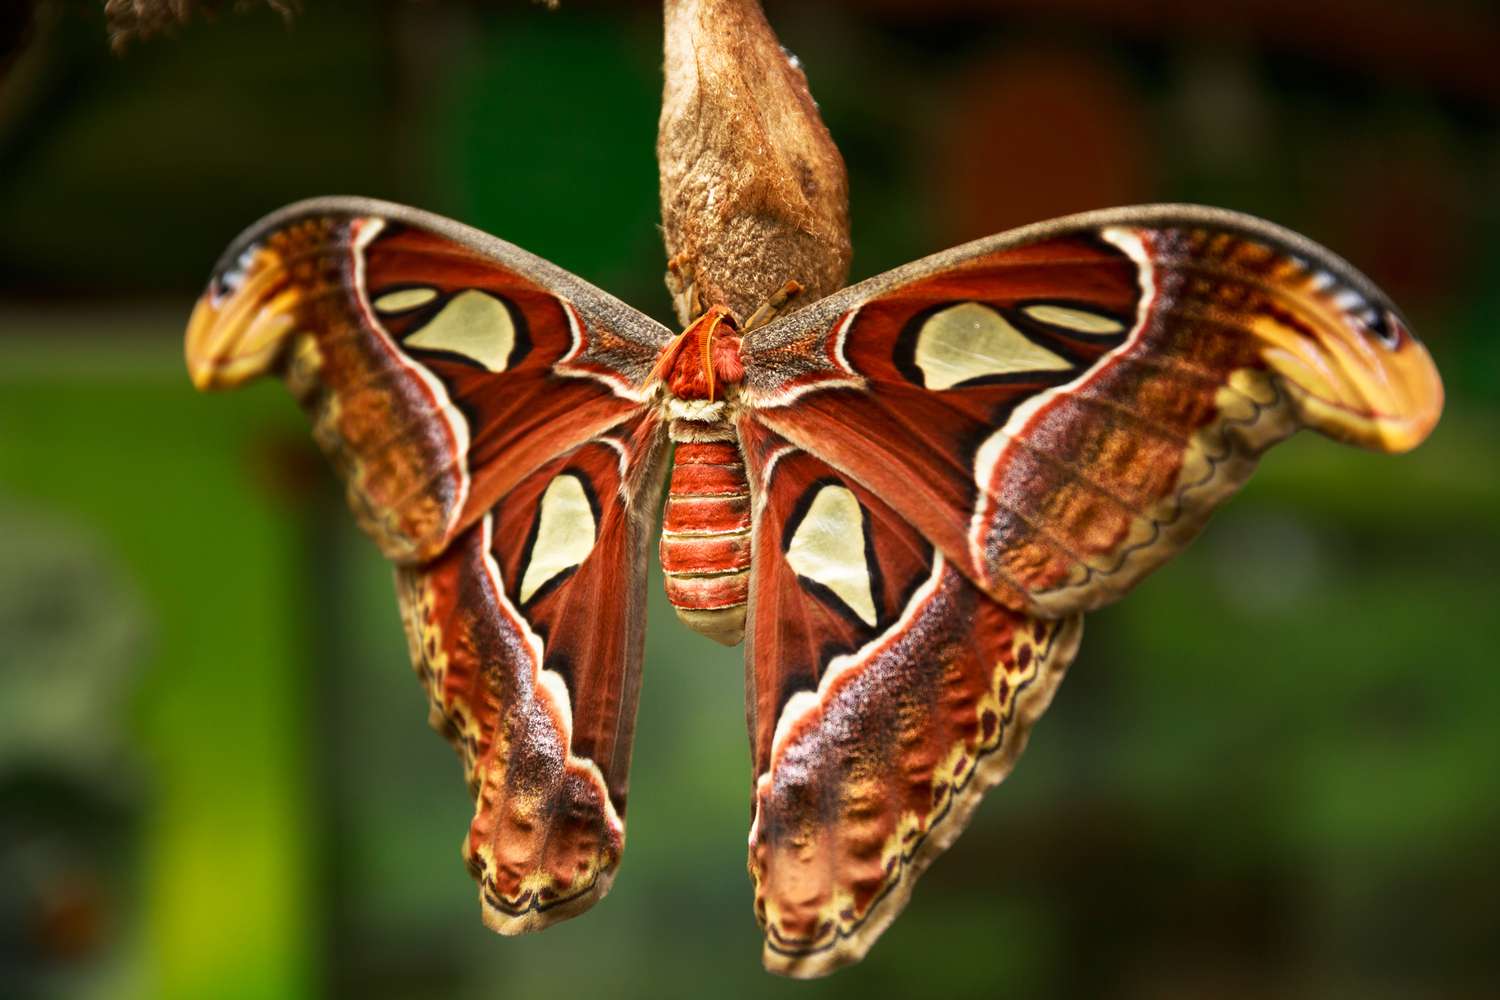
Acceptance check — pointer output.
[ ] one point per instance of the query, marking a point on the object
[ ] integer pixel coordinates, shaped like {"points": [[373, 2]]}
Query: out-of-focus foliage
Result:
{"points": [[1271, 771]]}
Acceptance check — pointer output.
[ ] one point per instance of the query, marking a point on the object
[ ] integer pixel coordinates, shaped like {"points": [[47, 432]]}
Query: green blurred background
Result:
{"points": [[1273, 770]]}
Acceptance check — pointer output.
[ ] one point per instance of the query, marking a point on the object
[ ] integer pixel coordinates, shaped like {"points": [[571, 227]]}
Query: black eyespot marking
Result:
{"points": [[1386, 328], [229, 280]]}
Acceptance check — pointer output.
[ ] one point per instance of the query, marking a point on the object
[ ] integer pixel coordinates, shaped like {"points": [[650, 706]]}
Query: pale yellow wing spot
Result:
{"points": [[474, 324], [405, 299], [1080, 320], [565, 534], [828, 548], [970, 341]]}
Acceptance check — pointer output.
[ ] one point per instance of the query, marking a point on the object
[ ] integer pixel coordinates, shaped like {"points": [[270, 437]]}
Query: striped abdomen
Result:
{"points": [[705, 538]]}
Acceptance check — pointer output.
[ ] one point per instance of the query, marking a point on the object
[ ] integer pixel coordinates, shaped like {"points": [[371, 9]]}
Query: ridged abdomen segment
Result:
{"points": [[705, 539]]}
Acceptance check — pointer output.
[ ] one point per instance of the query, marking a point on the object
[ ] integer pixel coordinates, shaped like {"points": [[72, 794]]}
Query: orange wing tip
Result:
{"points": [[235, 337], [1409, 402], [1355, 388]]}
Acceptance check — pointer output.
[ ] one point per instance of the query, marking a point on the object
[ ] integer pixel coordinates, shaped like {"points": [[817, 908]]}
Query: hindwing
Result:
{"points": [[886, 693], [527, 633]]}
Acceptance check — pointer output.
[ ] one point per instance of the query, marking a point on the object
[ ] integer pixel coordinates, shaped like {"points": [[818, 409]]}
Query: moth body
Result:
{"points": [[703, 362], [705, 539]]}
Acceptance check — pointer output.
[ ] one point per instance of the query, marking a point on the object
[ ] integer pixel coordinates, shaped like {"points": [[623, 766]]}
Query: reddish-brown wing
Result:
{"points": [[951, 462], [887, 693], [439, 365], [527, 633], [1059, 409], [487, 412]]}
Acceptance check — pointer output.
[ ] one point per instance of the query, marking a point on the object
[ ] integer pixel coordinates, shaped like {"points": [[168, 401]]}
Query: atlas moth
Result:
{"points": [[902, 497]]}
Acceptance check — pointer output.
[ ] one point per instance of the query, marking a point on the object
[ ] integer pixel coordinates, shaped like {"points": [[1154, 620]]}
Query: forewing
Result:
{"points": [[527, 633], [886, 694], [440, 365], [1059, 409]]}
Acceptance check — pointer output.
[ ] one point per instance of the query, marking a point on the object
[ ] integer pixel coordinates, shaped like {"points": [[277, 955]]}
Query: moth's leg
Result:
{"points": [[683, 287], [774, 305]]}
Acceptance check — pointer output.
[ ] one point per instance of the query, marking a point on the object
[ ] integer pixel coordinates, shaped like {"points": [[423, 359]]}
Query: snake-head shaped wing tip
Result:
{"points": [[241, 322], [1372, 383], [1349, 361]]}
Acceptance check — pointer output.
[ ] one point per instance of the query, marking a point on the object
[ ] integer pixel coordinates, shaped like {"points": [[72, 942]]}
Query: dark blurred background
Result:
{"points": [[1273, 770]]}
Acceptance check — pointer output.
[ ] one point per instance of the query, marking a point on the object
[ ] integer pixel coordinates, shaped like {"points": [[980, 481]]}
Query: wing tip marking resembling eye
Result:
{"points": [[229, 279], [1387, 327], [1366, 311]]}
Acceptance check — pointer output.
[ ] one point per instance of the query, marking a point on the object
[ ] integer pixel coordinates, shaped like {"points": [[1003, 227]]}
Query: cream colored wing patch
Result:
{"points": [[828, 548], [1077, 320], [404, 299], [473, 324], [970, 341], [565, 534]]}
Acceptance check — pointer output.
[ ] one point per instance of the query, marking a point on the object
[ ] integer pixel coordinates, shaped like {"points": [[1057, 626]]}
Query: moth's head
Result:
{"points": [[1352, 367], [705, 358]]}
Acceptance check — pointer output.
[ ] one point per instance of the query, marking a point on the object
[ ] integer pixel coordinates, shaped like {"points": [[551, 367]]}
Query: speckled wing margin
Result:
{"points": [[886, 695], [527, 634], [1060, 408], [439, 365]]}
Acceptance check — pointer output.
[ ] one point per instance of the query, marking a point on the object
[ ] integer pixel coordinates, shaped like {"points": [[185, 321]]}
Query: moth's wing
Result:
{"points": [[527, 632], [1059, 409], [886, 693], [951, 462], [440, 365], [485, 410]]}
